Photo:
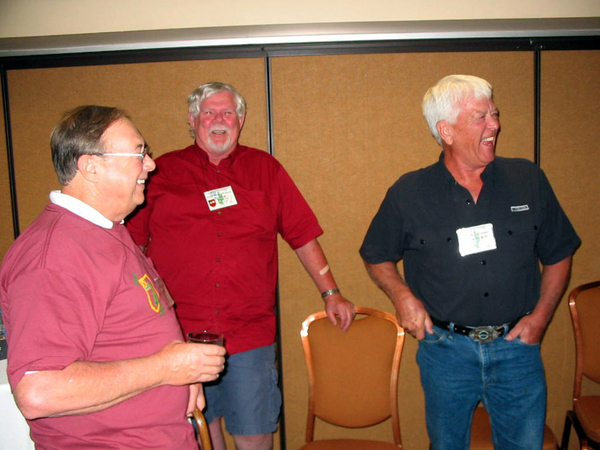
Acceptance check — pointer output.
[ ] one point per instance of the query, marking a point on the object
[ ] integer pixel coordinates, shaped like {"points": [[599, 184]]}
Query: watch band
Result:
{"points": [[330, 292]]}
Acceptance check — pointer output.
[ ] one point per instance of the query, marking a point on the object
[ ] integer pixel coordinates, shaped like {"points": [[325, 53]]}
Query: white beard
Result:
{"points": [[219, 147]]}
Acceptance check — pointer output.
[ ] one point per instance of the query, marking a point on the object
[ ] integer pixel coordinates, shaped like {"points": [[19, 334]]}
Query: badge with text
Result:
{"points": [[220, 198], [477, 239]]}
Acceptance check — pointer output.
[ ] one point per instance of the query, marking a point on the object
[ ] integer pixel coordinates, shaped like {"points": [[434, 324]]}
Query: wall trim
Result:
{"points": [[299, 34]]}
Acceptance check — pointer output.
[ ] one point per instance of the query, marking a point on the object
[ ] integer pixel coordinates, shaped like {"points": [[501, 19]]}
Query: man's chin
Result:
{"points": [[219, 148]]}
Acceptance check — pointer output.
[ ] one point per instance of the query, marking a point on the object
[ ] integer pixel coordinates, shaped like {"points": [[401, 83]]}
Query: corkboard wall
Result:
{"points": [[154, 95], [346, 127], [571, 159]]}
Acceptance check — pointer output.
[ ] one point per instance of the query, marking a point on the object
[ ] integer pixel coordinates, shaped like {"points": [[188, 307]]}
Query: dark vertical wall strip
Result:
{"points": [[9, 153], [537, 73], [271, 150]]}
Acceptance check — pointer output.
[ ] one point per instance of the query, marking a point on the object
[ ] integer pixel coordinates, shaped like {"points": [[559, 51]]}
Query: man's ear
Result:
{"points": [[445, 130], [191, 120], [88, 168], [242, 120]]}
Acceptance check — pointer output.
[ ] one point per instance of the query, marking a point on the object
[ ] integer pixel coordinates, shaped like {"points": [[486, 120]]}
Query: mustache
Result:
{"points": [[219, 128]]}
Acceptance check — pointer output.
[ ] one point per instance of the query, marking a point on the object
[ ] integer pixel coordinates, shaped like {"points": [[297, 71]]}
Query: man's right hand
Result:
{"points": [[412, 316], [410, 311], [186, 363]]}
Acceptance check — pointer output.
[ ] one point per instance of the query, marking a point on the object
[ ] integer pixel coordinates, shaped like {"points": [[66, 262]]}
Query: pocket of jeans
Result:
{"points": [[438, 336], [519, 341]]}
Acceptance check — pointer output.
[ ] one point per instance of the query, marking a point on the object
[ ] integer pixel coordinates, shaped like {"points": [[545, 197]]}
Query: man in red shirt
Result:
{"points": [[213, 213], [96, 357]]}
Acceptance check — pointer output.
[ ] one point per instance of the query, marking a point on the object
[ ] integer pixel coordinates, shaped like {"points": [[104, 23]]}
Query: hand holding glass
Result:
{"points": [[205, 337]]}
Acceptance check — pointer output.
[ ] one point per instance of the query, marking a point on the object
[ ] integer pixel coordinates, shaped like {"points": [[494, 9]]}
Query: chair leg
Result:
{"points": [[564, 445]]}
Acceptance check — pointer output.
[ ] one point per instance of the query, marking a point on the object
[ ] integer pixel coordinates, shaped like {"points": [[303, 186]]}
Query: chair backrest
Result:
{"points": [[584, 305], [353, 375]]}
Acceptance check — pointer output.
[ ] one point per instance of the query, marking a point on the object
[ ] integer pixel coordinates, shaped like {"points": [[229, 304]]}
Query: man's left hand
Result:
{"points": [[337, 307], [530, 329]]}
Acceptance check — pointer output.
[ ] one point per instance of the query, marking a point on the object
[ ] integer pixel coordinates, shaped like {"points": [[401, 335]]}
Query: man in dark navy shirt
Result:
{"points": [[472, 230]]}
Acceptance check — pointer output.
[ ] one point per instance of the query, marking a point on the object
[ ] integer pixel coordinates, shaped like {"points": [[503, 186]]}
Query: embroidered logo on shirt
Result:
{"points": [[151, 292], [519, 208]]}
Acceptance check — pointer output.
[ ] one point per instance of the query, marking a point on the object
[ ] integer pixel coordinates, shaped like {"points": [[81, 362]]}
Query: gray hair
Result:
{"points": [[441, 101], [79, 132], [207, 90]]}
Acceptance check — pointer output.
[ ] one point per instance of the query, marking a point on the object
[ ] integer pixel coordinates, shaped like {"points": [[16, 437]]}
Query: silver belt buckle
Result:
{"points": [[484, 334]]}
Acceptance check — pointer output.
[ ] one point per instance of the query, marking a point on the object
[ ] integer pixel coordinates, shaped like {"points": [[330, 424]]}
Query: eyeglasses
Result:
{"points": [[139, 155]]}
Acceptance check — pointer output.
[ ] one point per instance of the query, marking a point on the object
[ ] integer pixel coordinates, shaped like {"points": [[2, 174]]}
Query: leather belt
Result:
{"points": [[481, 334]]}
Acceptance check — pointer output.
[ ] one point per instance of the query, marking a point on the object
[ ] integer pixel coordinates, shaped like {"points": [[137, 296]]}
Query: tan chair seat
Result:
{"points": [[348, 444], [588, 412]]}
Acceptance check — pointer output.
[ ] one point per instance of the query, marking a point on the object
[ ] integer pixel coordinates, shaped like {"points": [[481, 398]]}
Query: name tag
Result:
{"points": [[477, 239], [220, 198]]}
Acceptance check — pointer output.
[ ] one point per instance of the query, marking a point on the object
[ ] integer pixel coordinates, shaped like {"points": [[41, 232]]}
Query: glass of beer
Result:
{"points": [[205, 337]]}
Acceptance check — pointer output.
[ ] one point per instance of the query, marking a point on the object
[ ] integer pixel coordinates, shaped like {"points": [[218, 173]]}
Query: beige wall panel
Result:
{"points": [[346, 127], [570, 158], [154, 94], [6, 219]]}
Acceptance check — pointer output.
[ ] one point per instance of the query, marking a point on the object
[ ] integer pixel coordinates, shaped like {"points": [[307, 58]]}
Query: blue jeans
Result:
{"points": [[507, 376]]}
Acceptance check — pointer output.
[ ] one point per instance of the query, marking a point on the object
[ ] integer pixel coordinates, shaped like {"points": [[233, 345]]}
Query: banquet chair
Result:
{"points": [[353, 376], [481, 433], [584, 305], [203, 433]]}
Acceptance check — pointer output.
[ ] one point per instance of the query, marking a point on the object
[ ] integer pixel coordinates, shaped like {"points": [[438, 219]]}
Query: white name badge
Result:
{"points": [[477, 239], [220, 198]]}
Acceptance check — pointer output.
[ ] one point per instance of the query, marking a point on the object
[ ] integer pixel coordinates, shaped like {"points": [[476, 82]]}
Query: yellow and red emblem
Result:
{"points": [[152, 293]]}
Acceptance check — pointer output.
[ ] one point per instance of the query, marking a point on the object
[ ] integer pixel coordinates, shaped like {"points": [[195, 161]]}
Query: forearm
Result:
{"points": [[554, 282], [339, 310], [388, 279], [313, 259], [531, 328], [84, 387], [410, 311]]}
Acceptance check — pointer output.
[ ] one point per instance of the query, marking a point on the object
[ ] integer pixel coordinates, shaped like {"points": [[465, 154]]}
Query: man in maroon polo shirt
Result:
{"points": [[213, 213]]}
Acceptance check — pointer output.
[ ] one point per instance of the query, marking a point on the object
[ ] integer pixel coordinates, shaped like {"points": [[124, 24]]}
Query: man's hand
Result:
{"points": [[530, 329], [336, 307], [412, 316], [187, 363], [410, 311]]}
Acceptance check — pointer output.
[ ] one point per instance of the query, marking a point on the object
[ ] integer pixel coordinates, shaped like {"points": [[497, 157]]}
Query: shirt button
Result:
{"points": [[483, 263], [216, 312], [218, 259], [449, 239], [486, 294], [510, 232], [219, 212], [468, 201], [217, 286], [219, 234], [423, 241], [218, 171]]}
